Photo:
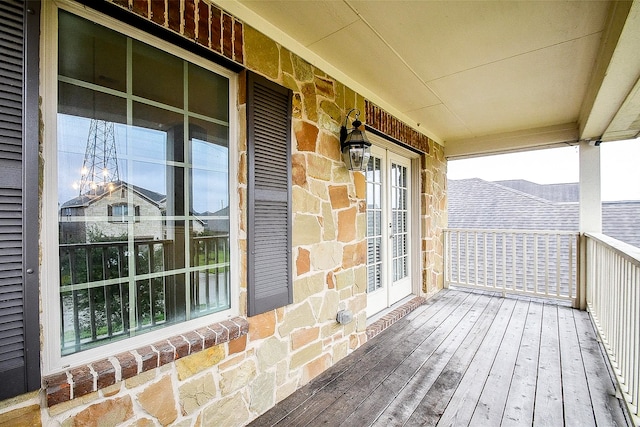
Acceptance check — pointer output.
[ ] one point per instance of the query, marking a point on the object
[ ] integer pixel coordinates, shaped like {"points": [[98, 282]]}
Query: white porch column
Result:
{"points": [[590, 211], [590, 199]]}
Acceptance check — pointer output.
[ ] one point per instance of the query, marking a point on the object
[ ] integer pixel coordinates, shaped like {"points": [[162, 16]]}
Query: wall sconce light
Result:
{"points": [[354, 144]]}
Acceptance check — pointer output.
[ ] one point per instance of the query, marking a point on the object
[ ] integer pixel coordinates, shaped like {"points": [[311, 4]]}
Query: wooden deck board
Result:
{"points": [[463, 403], [395, 397], [376, 362], [606, 407], [465, 359], [548, 406], [401, 366], [494, 395], [522, 391], [335, 381], [433, 404], [577, 409]]}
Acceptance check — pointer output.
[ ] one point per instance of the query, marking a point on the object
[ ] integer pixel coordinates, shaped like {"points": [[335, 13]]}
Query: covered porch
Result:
{"points": [[467, 358], [501, 345], [486, 78]]}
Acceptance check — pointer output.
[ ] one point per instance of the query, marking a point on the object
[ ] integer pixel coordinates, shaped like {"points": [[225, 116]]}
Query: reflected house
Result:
{"points": [[216, 223], [113, 206]]}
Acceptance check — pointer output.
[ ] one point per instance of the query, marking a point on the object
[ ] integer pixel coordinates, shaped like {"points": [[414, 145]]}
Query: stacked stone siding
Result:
{"points": [[200, 378]]}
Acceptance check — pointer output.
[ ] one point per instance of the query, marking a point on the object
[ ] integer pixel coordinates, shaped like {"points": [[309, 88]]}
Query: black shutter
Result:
{"points": [[19, 340], [268, 195]]}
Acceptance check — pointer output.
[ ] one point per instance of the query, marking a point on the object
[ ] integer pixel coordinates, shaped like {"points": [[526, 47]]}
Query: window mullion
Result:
{"points": [[133, 307], [186, 189]]}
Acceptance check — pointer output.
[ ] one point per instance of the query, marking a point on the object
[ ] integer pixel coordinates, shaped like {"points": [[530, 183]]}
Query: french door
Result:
{"points": [[389, 198]]}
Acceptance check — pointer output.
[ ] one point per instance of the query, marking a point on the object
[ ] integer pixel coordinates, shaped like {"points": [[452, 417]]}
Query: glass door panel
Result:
{"points": [[388, 237], [400, 208]]}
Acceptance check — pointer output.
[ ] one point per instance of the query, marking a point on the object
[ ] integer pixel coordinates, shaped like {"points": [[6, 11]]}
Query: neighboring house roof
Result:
{"points": [[87, 199], [563, 193], [221, 221], [475, 203]]}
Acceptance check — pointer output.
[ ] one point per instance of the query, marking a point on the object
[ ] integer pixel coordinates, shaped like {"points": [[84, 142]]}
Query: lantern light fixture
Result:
{"points": [[355, 147]]}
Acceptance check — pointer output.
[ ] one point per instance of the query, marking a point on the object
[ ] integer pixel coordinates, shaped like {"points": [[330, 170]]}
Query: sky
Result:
{"points": [[619, 166], [142, 161]]}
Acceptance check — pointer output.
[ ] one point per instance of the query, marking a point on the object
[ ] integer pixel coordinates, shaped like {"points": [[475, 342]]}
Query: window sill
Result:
{"points": [[81, 380]]}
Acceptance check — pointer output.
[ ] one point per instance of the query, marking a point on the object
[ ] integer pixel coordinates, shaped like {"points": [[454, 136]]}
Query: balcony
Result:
{"points": [[504, 347]]}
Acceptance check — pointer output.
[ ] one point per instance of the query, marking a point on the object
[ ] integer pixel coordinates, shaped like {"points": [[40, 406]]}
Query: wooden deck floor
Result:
{"points": [[466, 359]]}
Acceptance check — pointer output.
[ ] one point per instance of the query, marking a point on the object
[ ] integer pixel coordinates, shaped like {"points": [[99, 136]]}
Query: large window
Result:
{"points": [[143, 155]]}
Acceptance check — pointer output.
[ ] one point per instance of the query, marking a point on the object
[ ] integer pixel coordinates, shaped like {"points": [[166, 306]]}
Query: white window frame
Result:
{"points": [[52, 360]]}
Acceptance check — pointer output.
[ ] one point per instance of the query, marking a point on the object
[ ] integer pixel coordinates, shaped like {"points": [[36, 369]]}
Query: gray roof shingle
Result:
{"points": [[475, 203]]}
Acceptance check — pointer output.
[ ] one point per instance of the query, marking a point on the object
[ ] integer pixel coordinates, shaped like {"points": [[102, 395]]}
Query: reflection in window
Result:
{"points": [[373, 177], [143, 187]]}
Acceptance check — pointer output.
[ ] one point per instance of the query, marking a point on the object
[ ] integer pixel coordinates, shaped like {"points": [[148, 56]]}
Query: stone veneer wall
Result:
{"points": [[433, 217], [231, 381]]}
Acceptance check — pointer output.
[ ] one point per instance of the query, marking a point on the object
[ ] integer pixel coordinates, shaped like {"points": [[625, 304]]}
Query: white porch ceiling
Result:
{"points": [[476, 76]]}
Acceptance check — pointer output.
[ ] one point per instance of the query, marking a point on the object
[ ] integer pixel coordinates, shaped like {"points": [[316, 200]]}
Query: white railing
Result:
{"points": [[613, 299], [536, 263]]}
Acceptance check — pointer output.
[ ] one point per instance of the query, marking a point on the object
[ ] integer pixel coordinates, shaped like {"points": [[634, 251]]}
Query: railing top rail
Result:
{"points": [[514, 231], [135, 242], [625, 250]]}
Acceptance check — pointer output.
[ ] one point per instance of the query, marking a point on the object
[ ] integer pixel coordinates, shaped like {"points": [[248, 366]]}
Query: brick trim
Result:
{"points": [[384, 122], [196, 20], [392, 317], [81, 380]]}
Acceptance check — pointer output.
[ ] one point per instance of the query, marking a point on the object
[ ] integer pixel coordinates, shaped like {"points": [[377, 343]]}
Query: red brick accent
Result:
{"points": [[82, 381], [141, 7], [102, 373], [209, 337], [392, 317], [195, 20], [181, 345], [105, 372], [58, 388], [128, 365], [222, 333], [238, 41], [158, 12], [379, 119], [233, 328], [227, 35], [194, 340], [189, 19], [167, 352], [149, 357], [174, 15], [203, 23], [216, 29]]}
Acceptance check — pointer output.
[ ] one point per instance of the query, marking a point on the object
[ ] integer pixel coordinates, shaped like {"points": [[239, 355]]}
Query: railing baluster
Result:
{"points": [[459, 278], [535, 263], [558, 281], [486, 260], [466, 253], [475, 258], [570, 268], [525, 265], [504, 264], [495, 261], [514, 261]]}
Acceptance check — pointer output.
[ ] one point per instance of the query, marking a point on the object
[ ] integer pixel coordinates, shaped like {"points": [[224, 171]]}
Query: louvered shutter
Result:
{"points": [[19, 343], [268, 195]]}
